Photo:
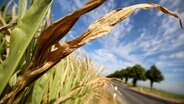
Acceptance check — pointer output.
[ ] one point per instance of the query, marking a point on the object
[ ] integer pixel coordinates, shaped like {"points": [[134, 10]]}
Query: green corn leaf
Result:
{"points": [[39, 89], [22, 9], [56, 82], [21, 37]]}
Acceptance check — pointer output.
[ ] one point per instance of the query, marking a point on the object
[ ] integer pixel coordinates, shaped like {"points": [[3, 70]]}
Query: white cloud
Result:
{"points": [[171, 61], [106, 58], [167, 37], [173, 56], [169, 64], [178, 70], [110, 61]]}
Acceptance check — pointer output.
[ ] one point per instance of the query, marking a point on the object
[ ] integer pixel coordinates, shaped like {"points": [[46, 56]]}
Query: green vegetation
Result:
{"points": [[154, 75], [137, 72], [162, 93], [116, 74], [71, 81], [126, 74]]}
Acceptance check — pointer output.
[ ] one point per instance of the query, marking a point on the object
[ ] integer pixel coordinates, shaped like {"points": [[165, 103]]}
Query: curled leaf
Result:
{"points": [[59, 29]]}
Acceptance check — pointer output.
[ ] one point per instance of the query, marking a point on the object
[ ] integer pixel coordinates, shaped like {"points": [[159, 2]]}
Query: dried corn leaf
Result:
{"points": [[59, 29]]}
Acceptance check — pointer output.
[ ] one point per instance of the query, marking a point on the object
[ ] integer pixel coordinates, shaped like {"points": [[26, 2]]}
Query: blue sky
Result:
{"points": [[147, 37]]}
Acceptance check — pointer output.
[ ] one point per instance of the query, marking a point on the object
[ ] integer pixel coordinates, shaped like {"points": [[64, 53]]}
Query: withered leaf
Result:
{"points": [[59, 29]]}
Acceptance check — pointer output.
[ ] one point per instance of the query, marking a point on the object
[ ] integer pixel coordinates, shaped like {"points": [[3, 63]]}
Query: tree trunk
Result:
{"points": [[126, 80], [151, 84], [134, 82]]}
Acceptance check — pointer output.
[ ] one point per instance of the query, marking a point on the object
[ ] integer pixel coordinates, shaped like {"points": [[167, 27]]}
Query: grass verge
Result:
{"points": [[159, 93]]}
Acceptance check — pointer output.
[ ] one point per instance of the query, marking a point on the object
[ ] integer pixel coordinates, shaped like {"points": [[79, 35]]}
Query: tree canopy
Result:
{"points": [[116, 74], [127, 74], [137, 72], [154, 75]]}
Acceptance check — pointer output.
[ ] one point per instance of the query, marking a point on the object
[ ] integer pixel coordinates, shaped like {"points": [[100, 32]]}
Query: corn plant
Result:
{"points": [[30, 47], [71, 81]]}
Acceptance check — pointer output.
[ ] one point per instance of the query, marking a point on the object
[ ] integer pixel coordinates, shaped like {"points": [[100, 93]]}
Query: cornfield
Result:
{"points": [[71, 81], [34, 67]]}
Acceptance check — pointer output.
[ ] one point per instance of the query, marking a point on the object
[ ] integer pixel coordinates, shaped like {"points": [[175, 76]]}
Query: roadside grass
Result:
{"points": [[164, 93], [158, 92]]}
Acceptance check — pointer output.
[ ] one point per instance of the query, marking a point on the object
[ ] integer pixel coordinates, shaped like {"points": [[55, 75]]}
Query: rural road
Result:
{"points": [[132, 97]]}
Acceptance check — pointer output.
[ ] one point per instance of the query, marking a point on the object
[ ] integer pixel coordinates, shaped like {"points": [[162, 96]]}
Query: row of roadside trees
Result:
{"points": [[137, 72]]}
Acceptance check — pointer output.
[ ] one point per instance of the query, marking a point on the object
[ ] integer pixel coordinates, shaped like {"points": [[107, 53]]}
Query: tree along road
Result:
{"points": [[129, 96]]}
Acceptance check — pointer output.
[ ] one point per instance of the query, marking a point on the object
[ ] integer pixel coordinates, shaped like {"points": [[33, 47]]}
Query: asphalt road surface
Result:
{"points": [[132, 97]]}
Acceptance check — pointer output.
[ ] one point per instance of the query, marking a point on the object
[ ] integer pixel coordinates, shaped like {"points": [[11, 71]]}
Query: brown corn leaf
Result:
{"points": [[59, 29]]}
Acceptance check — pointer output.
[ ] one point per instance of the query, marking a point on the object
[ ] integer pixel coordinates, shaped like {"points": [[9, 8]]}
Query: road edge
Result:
{"points": [[169, 101]]}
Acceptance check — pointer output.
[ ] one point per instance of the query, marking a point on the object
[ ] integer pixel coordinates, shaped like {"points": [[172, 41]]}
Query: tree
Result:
{"points": [[126, 74], [154, 75], [137, 72], [121, 74], [116, 74]]}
